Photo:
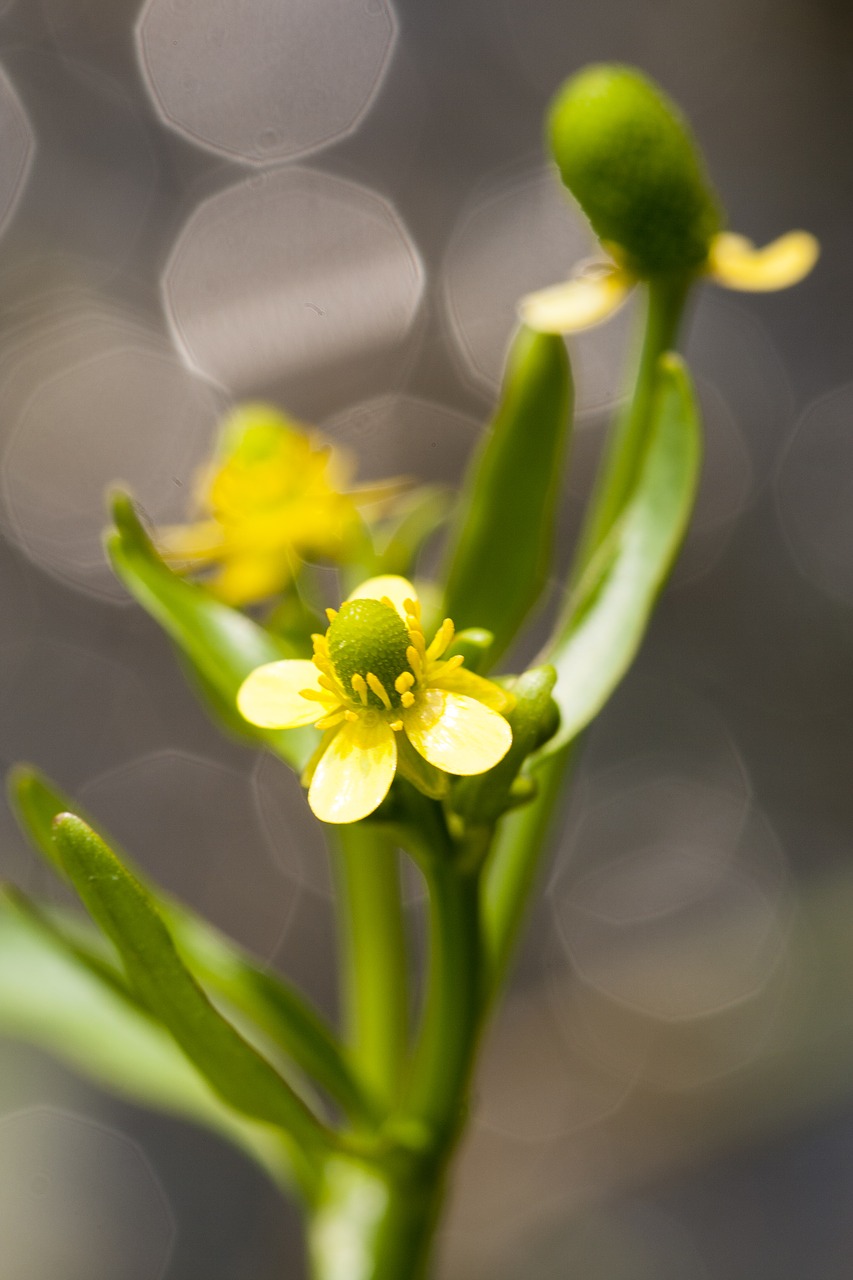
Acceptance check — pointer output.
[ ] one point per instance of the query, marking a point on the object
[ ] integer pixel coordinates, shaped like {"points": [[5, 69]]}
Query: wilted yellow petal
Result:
{"points": [[474, 686], [577, 304], [353, 775], [397, 589], [735, 262], [456, 733], [271, 696]]}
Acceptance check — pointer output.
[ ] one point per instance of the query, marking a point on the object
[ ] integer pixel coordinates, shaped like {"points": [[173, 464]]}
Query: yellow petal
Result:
{"points": [[245, 579], [579, 303], [201, 541], [456, 733], [474, 686], [271, 696], [735, 262], [353, 775], [397, 589]]}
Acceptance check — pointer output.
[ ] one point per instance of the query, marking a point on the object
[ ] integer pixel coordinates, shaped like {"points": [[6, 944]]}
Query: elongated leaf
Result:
{"points": [[224, 968], [607, 617], [234, 1069], [48, 999], [220, 643], [500, 552]]}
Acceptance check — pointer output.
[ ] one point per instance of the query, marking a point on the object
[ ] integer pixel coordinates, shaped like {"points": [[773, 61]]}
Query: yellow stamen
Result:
{"points": [[396, 725], [331, 614], [329, 722], [379, 689], [360, 688], [414, 660], [444, 668], [442, 639], [408, 699], [404, 681], [314, 695], [328, 683], [351, 716]]}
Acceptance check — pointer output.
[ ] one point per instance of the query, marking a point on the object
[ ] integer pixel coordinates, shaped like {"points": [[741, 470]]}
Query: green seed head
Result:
{"points": [[368, 635], [627, 155]]}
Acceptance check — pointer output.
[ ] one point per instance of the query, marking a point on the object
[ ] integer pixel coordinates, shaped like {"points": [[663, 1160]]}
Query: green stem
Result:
{"points": [[373, 957], [373, 1222], [624, 453], [513, 865], [451, 1015]]}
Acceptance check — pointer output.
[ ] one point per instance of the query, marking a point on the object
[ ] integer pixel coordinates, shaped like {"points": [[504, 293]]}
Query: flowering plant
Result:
{"points": [[394, 717]]}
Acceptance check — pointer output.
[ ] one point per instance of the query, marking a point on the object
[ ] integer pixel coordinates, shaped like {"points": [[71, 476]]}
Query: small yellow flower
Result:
{"points": [[598, 288], [372, 677], [272, 497]]}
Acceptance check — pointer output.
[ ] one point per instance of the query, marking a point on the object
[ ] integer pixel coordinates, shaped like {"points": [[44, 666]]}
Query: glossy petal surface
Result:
{"points": [[397, 589], [456, 733], [271, 696], [354, 773]]}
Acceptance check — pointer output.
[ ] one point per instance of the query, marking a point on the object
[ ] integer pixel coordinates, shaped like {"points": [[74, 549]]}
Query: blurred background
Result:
{"points": [[335, 204]]}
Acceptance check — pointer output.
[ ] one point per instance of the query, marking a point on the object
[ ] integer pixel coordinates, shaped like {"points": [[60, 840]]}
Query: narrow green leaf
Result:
{"points": [[234, 1069], [500, 551], [48, 999], [606, 617], [220, 643], [274, 1008]]}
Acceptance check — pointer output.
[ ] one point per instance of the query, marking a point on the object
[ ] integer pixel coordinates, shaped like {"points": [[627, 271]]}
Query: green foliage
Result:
{"points": [[277, 1013], [126, 913], [628, 157], [500, 551], [220, 644], [606, 616]]}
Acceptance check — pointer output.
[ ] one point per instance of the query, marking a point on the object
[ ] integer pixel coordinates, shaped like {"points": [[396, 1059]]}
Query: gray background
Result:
{"points": [[334, 204]]}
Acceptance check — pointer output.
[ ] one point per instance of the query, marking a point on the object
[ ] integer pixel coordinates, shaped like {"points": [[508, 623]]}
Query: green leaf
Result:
{"points": [[607, 615], [279, 1012], [50, 1000], [125, 912], [221, 644], [500, 550]]}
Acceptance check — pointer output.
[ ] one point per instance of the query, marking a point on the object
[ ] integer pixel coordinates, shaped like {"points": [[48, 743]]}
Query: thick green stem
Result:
{"points": [[451, 1018], [624, 453], [373, 1222], [374, 963]]}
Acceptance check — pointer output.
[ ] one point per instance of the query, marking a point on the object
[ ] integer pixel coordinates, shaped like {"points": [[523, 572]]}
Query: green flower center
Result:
{"points": [[368, 636]]}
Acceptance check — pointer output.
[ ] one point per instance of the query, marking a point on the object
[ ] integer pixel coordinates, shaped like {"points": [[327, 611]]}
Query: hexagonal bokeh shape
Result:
{"points": [[78, 1200], [405, 435], [194, 825], [267, 83], [293, 276], [95, 399], [17, 147], [517, 234]]}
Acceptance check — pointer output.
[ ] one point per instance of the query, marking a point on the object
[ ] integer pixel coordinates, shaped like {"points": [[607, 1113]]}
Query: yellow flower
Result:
{"points": [[373, 677], [271, 498], [598, 288]]}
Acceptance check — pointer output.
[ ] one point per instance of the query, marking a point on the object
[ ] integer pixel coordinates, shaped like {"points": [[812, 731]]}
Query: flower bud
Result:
{"points": [[628, 157]]}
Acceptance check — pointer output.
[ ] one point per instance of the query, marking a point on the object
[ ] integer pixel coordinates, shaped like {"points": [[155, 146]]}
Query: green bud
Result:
{"points": [[629, 158]]}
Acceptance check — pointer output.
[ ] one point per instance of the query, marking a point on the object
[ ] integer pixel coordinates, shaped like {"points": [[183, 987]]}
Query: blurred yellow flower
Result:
{"points": [[372, 677], [272, 496], [598, 288]]}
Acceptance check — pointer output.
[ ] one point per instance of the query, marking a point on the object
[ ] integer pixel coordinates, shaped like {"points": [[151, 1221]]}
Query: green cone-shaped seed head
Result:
{"points": [[627, 155], [368, 635]]}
